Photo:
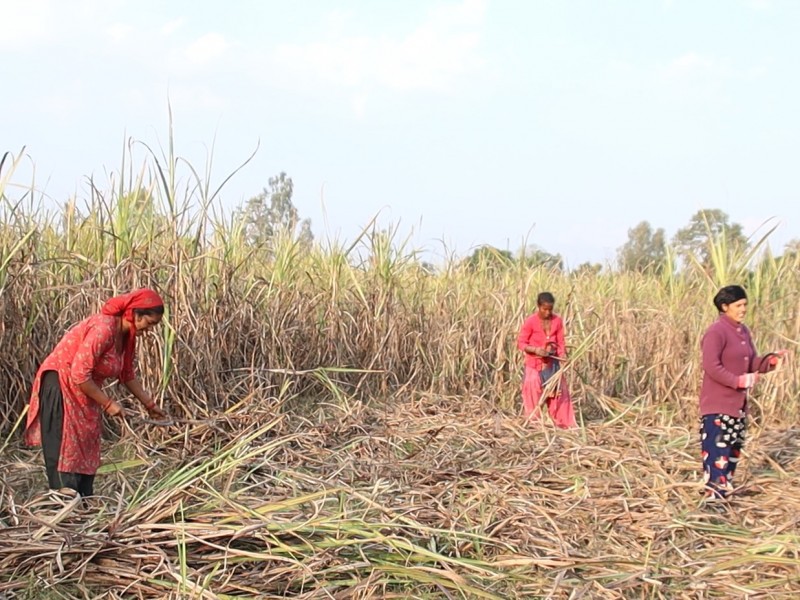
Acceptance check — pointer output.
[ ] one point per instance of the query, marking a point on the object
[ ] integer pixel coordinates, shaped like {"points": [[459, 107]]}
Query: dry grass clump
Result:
{"points": [[427, 496]]}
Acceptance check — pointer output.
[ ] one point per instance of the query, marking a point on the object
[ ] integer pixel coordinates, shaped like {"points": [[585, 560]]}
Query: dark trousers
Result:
{"points": [[721, 441], [51, 418]]}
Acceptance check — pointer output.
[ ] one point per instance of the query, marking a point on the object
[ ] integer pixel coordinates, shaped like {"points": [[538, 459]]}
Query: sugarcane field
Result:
{"points": [[338, 421], [420, 300]]}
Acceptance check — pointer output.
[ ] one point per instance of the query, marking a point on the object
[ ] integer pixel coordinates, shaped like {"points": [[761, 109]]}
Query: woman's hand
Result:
{"points": [[114, 409], [747, 380], [154, 412], [146, 399]]}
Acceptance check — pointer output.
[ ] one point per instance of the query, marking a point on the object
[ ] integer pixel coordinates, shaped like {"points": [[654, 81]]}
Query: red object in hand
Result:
{"points": [[776, 356]]}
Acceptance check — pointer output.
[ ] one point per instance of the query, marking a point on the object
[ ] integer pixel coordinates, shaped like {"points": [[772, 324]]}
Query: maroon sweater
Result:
{"points": [[728, 352]]}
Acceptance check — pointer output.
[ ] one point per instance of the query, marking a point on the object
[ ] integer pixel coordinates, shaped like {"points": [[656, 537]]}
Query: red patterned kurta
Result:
{"points": [[87, 351]]}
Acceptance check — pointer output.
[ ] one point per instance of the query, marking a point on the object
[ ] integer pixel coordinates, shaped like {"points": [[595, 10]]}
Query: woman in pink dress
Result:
{"points": [[541, 338], [65, 415]]}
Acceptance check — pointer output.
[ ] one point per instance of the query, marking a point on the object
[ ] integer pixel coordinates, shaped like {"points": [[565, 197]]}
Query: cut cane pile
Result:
{"points": [[420, 497]]}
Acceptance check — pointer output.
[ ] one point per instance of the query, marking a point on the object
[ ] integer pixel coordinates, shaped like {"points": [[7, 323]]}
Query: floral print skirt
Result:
{"points": [[721, 442]]}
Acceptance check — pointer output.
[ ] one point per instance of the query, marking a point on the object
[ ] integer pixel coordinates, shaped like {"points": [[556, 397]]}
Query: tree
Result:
{"points": [[489, 257], [587, 269], [534, 256], [427, 268], [791, 252], [645, 251], [272, 212], [792, 247], [709, 228]]}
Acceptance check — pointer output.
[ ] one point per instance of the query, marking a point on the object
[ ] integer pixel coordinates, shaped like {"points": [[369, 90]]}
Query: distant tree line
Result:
{"points": [[647, 250], [709, 231]]}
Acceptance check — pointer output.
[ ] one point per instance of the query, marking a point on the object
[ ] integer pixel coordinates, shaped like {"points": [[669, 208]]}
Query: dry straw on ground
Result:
{"points": [[426, 497], [347, 424]]}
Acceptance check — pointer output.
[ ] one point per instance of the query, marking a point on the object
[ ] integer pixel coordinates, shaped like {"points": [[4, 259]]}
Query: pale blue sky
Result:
{"points": [[474, 121]]}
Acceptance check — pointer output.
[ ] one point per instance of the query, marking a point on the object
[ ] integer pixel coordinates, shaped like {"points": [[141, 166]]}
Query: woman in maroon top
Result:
{"points": [[730, 369], [67, 400], [541, 338]]}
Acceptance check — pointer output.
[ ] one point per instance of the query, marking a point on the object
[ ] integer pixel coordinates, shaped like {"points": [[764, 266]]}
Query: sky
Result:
{"points": [[559, 124]]}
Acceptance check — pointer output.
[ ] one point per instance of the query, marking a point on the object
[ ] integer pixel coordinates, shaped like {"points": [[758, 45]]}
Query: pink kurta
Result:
{"points": [[87, 351], [559, 405]]}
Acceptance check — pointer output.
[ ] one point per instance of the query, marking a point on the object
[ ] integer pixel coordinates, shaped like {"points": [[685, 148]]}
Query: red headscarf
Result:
{"points": [[123, 306]]}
